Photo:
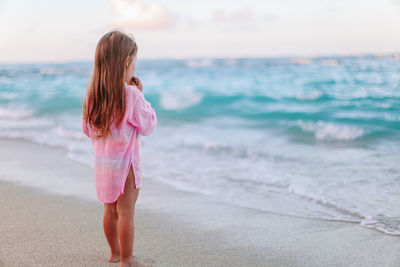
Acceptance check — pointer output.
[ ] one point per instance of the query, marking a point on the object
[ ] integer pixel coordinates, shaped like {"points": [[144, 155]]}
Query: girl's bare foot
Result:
{"points": [[114, 258], [133, 263]]}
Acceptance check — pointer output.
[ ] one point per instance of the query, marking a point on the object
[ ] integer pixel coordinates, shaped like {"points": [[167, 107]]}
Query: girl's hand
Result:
{"points": [[136, 81]]}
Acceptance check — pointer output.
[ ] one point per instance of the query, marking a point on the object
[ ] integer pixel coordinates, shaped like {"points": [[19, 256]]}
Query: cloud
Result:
{"points": [[190, 24], [332, 9], [238, 20], [236, 16], [242, 15], [219, 16], [270, 17], [135, 15]]}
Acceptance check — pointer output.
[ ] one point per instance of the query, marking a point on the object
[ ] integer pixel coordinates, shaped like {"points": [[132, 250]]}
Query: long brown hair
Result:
{"points": [[106, 93]]}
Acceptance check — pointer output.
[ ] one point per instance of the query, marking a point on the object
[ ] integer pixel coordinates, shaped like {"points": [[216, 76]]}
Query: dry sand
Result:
{"points": [[172, 228]]}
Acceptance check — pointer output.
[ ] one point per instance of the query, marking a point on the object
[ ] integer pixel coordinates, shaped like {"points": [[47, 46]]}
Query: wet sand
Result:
{"points": [[172, 228]]}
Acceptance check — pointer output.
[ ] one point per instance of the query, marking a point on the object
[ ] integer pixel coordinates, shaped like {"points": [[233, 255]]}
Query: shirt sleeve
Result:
{"points": [[143, 115]]}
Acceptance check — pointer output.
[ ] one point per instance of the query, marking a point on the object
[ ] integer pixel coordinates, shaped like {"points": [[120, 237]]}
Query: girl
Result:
{"points": [[115, 114]]}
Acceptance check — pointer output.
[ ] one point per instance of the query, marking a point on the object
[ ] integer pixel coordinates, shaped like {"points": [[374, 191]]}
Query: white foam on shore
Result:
{"points": [[204, 165], [63, 132], [380, 222], [14, 112]]}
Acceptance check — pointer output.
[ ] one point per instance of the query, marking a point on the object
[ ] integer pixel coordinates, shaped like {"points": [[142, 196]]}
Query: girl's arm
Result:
{"points": [[83, 122], [85, 128], [143, 115]]}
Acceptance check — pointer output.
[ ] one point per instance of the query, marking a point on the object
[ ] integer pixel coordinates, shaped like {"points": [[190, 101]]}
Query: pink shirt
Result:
{"points": [[114, 154]]}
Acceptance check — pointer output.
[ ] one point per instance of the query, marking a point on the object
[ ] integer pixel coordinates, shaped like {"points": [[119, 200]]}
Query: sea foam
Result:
{"points": [[330, 131]]}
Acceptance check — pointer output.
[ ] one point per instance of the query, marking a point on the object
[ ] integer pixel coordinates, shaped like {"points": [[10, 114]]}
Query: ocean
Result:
{"points": [[306, 137]]}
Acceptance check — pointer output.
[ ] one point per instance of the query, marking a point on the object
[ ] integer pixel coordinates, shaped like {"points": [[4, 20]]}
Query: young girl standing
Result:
{"points": [[115, 114]]}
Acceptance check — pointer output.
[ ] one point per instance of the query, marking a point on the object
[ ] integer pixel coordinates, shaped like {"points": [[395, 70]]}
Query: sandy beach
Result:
{"points": [[172, 228]]}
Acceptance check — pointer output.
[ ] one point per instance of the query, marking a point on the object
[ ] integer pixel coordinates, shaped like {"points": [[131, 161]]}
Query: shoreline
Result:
{"points": [[172, 227]]}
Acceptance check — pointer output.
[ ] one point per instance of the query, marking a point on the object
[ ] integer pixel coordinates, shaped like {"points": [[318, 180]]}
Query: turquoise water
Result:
{"points": [[316, 138]]}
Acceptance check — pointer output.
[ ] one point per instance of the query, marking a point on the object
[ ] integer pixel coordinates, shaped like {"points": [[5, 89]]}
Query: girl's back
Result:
{"points": [[114, 153]]}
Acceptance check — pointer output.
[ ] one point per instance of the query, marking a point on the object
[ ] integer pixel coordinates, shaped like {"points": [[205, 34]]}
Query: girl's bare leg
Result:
{"points": [[110, 225], [126, 212]]}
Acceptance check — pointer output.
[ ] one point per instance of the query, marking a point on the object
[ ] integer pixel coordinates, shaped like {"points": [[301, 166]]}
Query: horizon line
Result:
{"points": [[300, 55]]}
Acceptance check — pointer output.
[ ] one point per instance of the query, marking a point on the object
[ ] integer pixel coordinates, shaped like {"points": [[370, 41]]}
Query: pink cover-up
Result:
{"points": [[114, 154]]}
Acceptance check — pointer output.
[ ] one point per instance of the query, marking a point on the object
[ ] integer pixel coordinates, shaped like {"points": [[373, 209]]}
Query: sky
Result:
{"points": [[61, 31]]}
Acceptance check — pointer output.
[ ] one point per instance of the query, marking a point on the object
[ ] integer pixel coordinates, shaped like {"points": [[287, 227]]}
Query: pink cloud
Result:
{"points": [[239, 15], [242, 15], [219, 16], [136, 15], [190, 24]]}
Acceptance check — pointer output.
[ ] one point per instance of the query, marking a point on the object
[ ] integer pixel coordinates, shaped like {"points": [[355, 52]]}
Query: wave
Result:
{"points": [[179, 100], [185, 99], [63, 132], [383, 223], [330, 131], [329, 62], [14, 112], [314, 95], [313, 112], [199, 63]]}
